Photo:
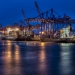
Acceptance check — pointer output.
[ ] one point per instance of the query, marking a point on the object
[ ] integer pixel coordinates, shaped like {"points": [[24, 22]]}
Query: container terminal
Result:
{"points": [[49, 27]]}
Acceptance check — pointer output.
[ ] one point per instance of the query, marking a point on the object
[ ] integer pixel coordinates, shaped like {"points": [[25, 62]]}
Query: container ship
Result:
{"points": [[16, 33]]}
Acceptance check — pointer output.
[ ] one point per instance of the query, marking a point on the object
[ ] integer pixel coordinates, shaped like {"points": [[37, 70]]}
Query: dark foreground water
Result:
{"points": [[36, 58]]}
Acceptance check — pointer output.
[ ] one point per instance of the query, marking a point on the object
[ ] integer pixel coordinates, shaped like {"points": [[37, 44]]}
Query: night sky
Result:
{"points": [[11, 10]]}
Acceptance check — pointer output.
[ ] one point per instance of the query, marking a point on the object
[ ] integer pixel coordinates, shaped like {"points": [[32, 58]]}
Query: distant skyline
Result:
{"points": [[11, 10]]}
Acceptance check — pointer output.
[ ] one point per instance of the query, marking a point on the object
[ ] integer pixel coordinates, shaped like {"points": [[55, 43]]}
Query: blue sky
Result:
{"points": [[11, 10]]}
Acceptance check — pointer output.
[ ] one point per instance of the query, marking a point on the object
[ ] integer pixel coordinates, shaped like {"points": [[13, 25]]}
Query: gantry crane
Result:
{"points": [[21, 22], [38, 9], [25, 18], [39, 14], [26, 21], [50, 19]]}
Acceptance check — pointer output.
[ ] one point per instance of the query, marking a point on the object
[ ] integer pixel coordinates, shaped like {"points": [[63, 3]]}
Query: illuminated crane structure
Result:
{"points": [[25, 18], [28, 26], [49, 21]]}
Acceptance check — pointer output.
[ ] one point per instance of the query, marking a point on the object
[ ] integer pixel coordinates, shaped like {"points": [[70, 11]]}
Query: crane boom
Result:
{"points": [[38, 10], [25, 18], [24, 14]]}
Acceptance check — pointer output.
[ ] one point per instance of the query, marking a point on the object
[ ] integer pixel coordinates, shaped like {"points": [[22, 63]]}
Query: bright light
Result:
{"points": [[42, 44], [42, 32], [65, 32], [17, 29], [8, 30]]}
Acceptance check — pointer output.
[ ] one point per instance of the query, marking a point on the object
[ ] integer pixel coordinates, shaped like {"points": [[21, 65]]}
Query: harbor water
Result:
{"points": [[36, 58]]}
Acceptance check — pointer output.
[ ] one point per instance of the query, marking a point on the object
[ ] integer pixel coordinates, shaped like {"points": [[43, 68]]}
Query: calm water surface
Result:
{"points": [[36, 58]]}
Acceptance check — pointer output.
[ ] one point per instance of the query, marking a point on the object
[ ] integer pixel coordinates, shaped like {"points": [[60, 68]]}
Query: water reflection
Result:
{"points": [[17, 60], [11, 60], [32, 58], [7, 59], [65, 59], [66, 44], [17, 53], [42, 60]]}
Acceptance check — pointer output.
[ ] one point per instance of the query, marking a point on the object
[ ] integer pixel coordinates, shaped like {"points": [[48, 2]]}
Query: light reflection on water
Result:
{"points": [[66, 59], [11, 63], [42, 60], [36, 58], [7, 59]]}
